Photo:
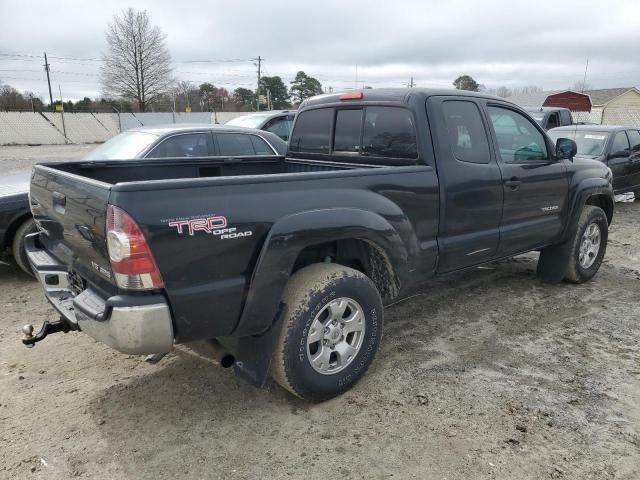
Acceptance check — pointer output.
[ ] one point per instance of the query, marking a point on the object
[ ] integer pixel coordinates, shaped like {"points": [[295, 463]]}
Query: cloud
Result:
{"points": [[544, 43]]}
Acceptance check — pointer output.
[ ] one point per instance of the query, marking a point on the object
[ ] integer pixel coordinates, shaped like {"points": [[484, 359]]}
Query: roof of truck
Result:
{"points": [[403, 95]]}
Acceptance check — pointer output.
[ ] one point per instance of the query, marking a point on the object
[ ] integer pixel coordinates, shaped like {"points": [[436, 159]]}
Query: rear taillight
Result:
{"points": [[131, 260], [351, 96]]}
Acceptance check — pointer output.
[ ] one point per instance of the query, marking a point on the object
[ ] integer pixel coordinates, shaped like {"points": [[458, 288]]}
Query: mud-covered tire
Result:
{"points": [[576, 271], [309, 293], [17, 248]]}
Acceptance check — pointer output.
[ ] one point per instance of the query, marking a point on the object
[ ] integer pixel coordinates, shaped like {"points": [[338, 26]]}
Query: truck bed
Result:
{"points": [[113, 172]]}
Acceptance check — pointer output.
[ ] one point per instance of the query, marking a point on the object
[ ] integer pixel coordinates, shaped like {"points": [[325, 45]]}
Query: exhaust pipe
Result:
{"points": [[221, 355]]}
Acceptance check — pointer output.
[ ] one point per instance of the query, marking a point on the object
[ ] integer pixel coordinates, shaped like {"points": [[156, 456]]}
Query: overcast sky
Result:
{"points": [[511, 43]]}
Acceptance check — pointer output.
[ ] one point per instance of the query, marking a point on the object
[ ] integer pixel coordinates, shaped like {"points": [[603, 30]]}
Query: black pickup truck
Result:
{"points": [[292, 258]]}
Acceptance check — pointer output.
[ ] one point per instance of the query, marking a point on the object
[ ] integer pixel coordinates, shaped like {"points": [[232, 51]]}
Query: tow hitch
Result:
{"points": [[29, 339]]}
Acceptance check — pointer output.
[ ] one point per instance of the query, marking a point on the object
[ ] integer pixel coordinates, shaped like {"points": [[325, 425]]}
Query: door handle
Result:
{"points": [[513, 183]]}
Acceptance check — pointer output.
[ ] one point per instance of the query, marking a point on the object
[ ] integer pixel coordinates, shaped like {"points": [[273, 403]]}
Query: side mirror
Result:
{"points": [[566, 148]]}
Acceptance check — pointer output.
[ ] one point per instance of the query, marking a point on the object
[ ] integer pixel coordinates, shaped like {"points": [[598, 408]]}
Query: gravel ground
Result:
{"points": [[488, 374]]}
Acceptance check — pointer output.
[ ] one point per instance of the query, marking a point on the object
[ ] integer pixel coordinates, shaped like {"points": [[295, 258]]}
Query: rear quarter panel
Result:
{"points": [[207, 277]]}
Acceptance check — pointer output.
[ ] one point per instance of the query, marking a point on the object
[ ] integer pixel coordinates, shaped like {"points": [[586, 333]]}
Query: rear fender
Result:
{"points": [[263, 309]]}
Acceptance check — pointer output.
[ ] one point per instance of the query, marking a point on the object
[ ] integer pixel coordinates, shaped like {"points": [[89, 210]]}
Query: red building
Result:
{"points": [[574, 101]]}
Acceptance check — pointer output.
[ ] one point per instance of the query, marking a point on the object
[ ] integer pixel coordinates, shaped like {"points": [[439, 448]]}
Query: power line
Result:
{"points": [[33, 57]]}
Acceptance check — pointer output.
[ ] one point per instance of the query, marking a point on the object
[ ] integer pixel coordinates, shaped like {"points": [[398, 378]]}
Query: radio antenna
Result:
{"points": [[584, 79]]}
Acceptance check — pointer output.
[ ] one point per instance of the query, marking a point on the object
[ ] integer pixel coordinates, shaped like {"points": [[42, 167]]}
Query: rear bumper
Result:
{"points": [[133, 324]]}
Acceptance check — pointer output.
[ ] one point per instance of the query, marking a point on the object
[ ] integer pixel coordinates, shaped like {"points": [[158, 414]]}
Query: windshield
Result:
{"points": [[590, 143], [537, 116], [124, 146], [248, 121]]}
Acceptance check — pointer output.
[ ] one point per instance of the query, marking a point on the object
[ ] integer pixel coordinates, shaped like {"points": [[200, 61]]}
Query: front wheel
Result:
{"points": [[589, 245], [331, 331]]}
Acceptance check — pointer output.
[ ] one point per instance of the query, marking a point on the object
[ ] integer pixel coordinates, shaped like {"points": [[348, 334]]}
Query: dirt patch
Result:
{"points": [[490, 374]]}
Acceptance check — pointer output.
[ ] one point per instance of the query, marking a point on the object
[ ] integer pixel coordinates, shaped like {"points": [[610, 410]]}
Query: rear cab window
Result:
{"points": [[312, 132], [365, 134]]}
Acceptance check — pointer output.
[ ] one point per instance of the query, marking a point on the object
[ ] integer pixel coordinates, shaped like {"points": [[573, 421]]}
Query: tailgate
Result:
{"points": [[70, 211]]}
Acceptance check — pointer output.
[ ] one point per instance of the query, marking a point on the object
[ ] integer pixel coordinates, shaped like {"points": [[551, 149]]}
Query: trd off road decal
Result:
{"points": [[215, 225]]}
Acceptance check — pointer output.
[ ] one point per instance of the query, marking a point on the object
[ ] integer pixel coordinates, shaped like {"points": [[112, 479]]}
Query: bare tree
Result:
{"points": [[580, 86], [137, 65], [527, 89], [503, 92], [185, 94]]}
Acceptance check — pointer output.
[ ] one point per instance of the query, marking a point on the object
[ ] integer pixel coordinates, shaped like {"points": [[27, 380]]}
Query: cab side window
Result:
{"points": [[389, 132], [280, 126], [634, 140], [518, 140], [620, 143], [467, 136]]}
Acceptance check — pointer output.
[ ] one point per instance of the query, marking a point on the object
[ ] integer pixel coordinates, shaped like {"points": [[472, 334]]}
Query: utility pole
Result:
{"points": [[46, 69], [64, 127], [258, 89], [411, 84]]}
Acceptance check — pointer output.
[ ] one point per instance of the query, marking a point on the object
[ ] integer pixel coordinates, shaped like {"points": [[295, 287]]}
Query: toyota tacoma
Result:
{"points": [[293, 257]]}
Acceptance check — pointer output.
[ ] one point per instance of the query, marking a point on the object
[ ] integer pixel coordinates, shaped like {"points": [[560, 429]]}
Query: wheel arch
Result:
{"points": [[14, 224], [592, 191], [363, 255], [304, 238], [605, 202]]}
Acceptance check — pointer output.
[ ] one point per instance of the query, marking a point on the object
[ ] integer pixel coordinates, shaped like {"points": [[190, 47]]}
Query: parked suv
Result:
{"points": [[615, 146]]}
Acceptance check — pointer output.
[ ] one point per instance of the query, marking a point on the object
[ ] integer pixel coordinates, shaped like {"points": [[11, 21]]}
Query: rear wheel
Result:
{"points": [[19, 254], [589, 245], [330, 333]]}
